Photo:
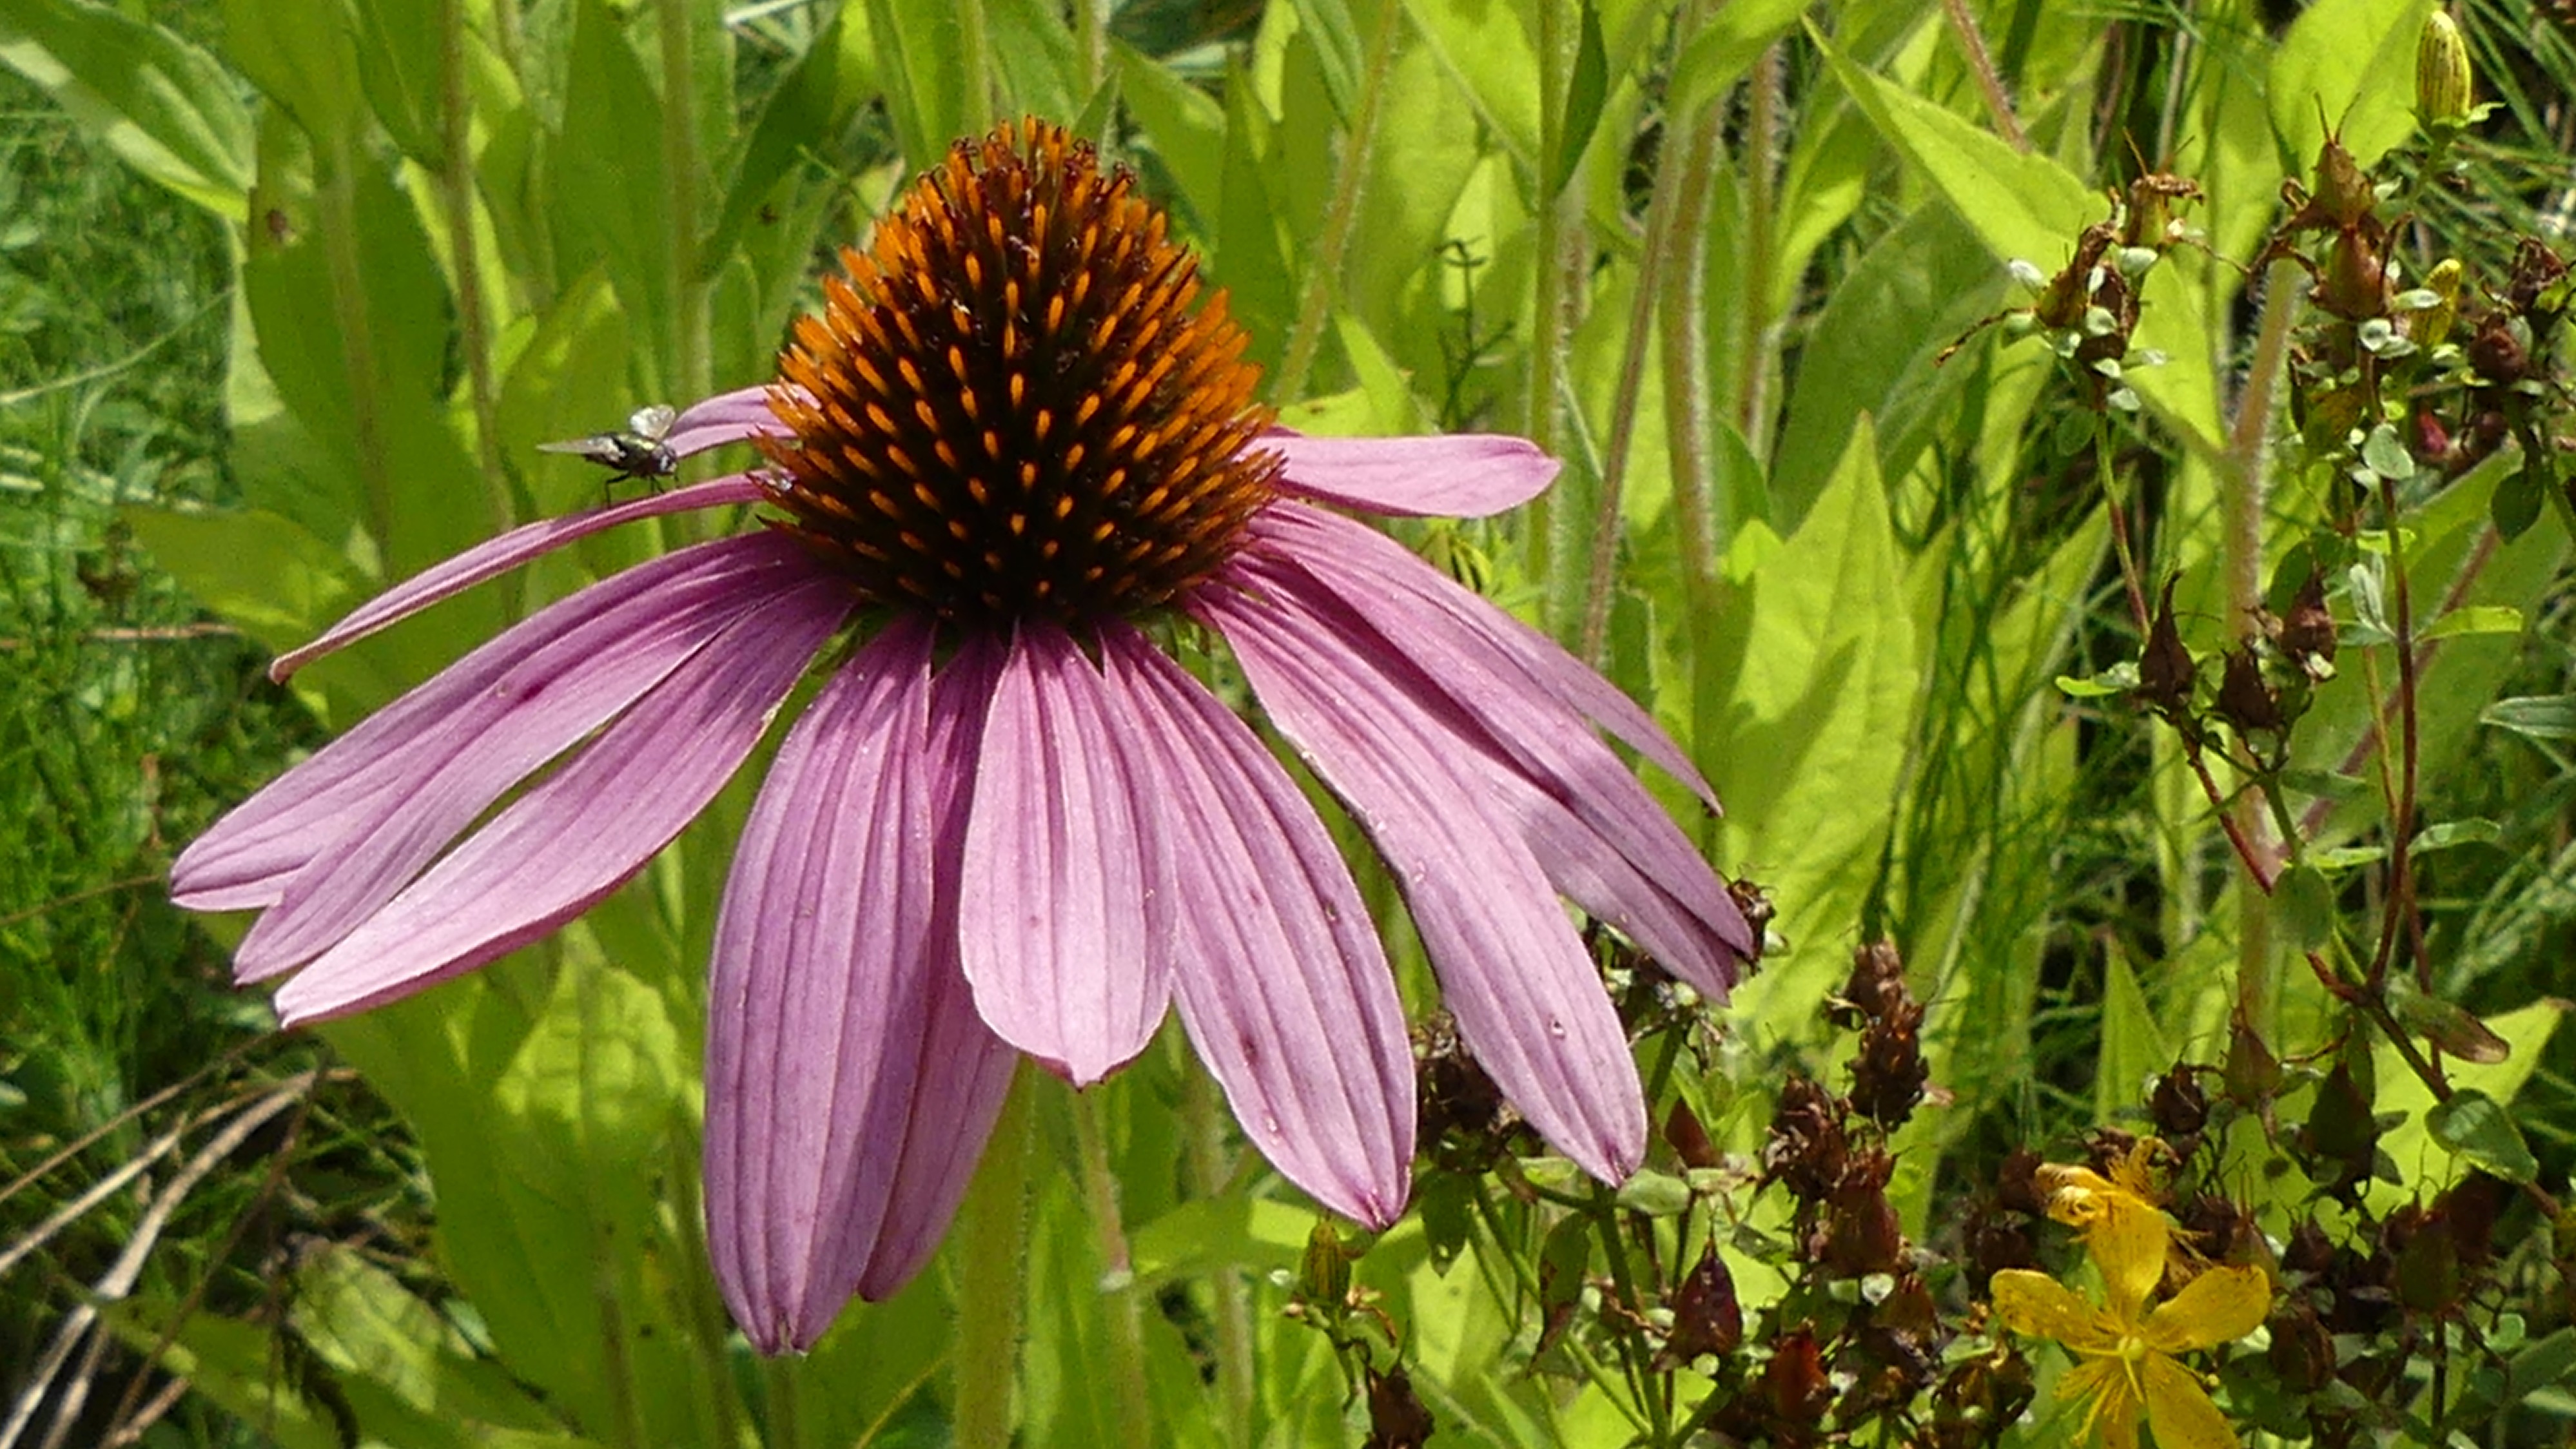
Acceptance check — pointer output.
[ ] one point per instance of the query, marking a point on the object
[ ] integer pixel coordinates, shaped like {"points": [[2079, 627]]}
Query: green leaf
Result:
{"points": [[2516, 506], [2476, 619], [2410, 1144], [2305, 903], [836, 75], [165, 107], [1185, 125], [1725, 48], [303, 55], [2448, 1026], [262, 573], [1821, 674], [921, 60], [1656, 1194], [2478, 1128], [2133, 1047], [2348, 64], [2021, 204], [1585, 92], [2384, 455], [2458, 832], [398, 46], [2120, 678], [2540, 716]]}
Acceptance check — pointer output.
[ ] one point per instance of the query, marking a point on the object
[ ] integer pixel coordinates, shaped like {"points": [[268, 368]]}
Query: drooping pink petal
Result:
{"points": [[584, 830], [494, 557], [1602, 838], [480, 741], [246, 860], [965, 1069], [728, 417], [1282, 983], [1364, 563], [1512, 970], [1462, 475], [1067, 946], [824, 963]]}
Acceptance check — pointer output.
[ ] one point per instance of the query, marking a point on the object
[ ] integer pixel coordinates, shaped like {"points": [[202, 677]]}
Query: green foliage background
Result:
{"points": [[290, 289]]}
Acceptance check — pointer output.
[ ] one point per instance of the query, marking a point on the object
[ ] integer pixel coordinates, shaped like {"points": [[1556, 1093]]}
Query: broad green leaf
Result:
{"points": [[2020, 204], [921, 51], [261, 572], [2426, 1166], [1185, 126], [1820, 674], [2478, 1128], [2458, 832], [836, 75], [2346, 66], [303, 55], [1220, 1232], [399, 45], [1490, 49], [2303, 900], [1725, 48], [1035, 64], [162, 105]]}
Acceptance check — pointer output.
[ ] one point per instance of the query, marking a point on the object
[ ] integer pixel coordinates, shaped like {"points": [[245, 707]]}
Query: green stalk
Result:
{"points": [[473, 334], [980, 105], [992, 1235], [1761, 248], [692, 369], [2249, 463], [1307, 336], [1121, 1315], [1091, 42], [1689, 396], [1203, 1134], [1543, 417]]}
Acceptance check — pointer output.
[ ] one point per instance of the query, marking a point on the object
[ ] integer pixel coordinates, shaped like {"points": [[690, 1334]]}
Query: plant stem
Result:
{"points": [[692, 368], [1689, 417], [976, 50], [456, 140], [1761, 239], [993, 1242], [1543, 418], [2249, 462], [1990, 85], [1306, 336], [1203, 1133], [1121, 1315]]}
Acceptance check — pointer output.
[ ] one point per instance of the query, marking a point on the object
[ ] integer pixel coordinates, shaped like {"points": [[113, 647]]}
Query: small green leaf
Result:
{"points": [[2305, 902], [2120, 678], [2458, 832], [2538, 716], [2384, 455], [1585, 94], [2324, 784], [2477, 1127], [2516, 505], [2476, 619], [1656, 1194], [2448, 1027]]}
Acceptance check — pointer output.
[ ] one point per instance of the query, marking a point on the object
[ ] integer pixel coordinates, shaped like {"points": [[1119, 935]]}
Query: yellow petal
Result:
{"points": [[2180, 1408], [2220, 1306], [2034, 1303], [2128, 1245], [2115, 1411]]}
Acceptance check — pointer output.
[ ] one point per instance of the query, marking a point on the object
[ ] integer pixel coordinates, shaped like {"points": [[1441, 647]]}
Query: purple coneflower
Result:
{"points": [[1008, 822]]}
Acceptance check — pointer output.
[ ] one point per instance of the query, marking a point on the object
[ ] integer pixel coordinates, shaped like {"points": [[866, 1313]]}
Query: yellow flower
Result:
{"points": [[2126, 1362], [2119, 1221]]}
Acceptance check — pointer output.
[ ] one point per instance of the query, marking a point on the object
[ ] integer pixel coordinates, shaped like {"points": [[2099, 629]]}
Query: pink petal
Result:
{"points": [[478, 742], [584, 830], [498, 556], [1360, 561], [247, 859], [1576, 800], [1283, 985], [1457, 475], [824, 962], [966, 1070], [728, 417], [1067, 945], [1525, 993]]}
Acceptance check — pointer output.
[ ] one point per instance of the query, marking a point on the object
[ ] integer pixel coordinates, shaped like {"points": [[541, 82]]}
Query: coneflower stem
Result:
{"points": [[992, 1257], [1203, 1134], [1547, 361], [456, 141], [1689, 421], [1122, 1321], [1350, 178]]}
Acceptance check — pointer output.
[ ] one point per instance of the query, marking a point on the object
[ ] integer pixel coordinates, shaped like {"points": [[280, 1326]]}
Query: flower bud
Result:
{"points": [[2441, 73]]}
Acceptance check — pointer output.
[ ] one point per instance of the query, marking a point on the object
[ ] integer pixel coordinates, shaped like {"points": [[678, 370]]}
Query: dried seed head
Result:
{"points": [[1011, 407]]}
